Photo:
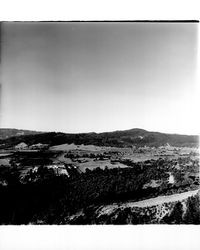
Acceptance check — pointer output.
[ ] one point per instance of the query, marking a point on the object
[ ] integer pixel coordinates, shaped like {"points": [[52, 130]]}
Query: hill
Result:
{"points": [[10, 132], [127, 138]]}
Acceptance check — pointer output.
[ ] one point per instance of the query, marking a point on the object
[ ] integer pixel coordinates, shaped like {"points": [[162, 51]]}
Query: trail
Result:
{"points": [[149, 202], [161, 199]]}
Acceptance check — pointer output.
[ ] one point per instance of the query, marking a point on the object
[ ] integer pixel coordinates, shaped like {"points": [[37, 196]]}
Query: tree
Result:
{"points": [[176, 215], [192, 215]]}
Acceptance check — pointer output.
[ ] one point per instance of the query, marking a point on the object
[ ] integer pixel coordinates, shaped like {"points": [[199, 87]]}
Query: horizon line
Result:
{"points": [[110, 131]]}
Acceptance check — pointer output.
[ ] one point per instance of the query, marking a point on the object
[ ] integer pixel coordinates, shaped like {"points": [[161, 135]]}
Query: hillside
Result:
{"points": [[10, 132], [126, 138]]}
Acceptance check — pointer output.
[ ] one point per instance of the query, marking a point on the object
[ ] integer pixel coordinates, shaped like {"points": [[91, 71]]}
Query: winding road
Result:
{"points": [[149, 202]]}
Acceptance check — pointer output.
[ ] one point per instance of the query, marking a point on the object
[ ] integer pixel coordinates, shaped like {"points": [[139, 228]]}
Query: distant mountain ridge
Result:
{"points": [[10, 132], [126, 138]]}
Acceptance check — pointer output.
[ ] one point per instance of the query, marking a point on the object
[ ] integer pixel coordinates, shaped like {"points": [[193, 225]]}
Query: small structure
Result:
{"points": [[21, 146], [59, 169], [152, 184], [171, 179], [62, 171], [39, 146]]}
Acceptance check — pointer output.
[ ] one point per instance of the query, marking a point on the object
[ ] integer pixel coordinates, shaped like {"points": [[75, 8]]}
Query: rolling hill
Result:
{"points": [[126, 138], [10, 132]]}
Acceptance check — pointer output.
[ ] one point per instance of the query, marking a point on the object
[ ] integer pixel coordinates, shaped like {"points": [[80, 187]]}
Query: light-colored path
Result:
{"points": [[148, 202], [161, 199]]}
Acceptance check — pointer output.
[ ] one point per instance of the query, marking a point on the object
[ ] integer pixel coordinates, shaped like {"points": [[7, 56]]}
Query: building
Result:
{"points": [[21, 146]]}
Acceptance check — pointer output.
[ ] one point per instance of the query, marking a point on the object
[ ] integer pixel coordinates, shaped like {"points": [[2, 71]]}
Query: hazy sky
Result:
{"points": [[83, 77]]}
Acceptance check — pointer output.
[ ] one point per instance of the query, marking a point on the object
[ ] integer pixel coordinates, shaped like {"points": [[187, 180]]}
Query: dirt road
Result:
{"points": [[149, 202]]}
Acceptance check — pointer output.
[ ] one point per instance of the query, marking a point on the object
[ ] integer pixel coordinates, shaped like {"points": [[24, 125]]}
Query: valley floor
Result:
{"points": [[86, 184]]}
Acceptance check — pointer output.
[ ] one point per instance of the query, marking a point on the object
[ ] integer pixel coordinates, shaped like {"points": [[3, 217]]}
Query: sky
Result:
{"points": [[96, 77]]}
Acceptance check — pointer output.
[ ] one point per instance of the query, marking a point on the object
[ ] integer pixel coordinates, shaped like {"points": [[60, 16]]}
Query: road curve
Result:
{"points": [[148, 202], [162, 199]]}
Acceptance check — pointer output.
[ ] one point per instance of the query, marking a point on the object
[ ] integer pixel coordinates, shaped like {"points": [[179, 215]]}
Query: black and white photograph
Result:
{"points": [[99, 123]]}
